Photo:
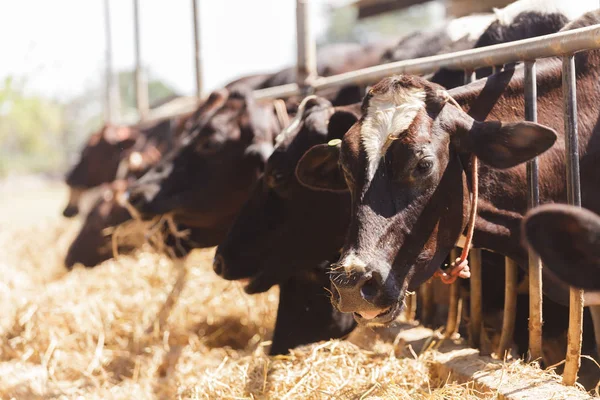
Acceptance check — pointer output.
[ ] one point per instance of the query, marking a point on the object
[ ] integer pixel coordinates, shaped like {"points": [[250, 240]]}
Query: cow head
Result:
{"points": [[92, 245], [282, 216], [404, 165], [207, 177], [567, 239], [98, 163]]}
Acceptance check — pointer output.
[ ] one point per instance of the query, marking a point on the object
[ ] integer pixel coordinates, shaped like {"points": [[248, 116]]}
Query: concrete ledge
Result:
{"points": [[454, 360], [511, 380]]}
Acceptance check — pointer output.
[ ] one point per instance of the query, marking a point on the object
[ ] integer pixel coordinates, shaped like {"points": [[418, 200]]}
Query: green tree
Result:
{"points": [[31, 129]]}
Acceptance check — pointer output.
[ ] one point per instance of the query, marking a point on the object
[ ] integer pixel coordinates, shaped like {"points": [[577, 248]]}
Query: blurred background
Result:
{"points": [[53, 73]]}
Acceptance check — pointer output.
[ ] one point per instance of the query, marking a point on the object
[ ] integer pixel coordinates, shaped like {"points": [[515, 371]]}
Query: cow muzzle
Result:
{"points": [[367, 294], [70, 211]]}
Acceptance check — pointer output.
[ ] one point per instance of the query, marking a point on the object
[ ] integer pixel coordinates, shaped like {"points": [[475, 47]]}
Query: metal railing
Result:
{"points": [[562, 44]]}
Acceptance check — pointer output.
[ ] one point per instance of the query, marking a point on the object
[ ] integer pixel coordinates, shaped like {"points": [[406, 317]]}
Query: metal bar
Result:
{"points": [[475, 298], [573, 358], [510, 307], [556, 44], [427, 303], [455, 303], [197, 48], [411, 306], [306, 66], [110, 107], [535, 264], [141, 83]]}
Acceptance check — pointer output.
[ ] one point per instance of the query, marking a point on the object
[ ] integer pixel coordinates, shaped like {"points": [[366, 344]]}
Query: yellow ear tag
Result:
{"points": [[334, 142]]}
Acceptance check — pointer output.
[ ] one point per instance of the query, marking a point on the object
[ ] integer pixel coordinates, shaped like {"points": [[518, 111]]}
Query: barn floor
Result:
{"points": [[144, 327]]}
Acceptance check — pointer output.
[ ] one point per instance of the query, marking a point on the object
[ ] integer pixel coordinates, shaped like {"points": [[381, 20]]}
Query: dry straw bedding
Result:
{"points": [[145, 327]]}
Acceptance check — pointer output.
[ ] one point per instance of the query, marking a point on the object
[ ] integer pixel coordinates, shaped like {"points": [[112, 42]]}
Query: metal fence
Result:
{"points": [[562, 44]]}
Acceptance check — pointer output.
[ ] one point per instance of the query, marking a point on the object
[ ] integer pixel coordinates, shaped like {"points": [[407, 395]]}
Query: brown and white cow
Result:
{"points": [[567, 238], [407, 161]]}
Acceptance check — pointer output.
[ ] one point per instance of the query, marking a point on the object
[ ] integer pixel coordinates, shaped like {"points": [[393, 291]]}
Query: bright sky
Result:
{"points": [[59, 44]]}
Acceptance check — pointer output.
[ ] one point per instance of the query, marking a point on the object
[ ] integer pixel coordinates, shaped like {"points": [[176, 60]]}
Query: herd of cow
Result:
{"points": [[367, 196]]}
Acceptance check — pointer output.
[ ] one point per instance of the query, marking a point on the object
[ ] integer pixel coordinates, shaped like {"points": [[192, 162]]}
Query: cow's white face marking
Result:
{"points": [[388, 115]]}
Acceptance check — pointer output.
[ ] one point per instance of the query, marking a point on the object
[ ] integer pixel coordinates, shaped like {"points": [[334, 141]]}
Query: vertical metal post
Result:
{"points": [[455, 304], [110, 107], [306, 68], [573, 358], [427, 303], [141, 83], [411, 306], [197, 48], [535, 264], [475, 299], [510, 306]]}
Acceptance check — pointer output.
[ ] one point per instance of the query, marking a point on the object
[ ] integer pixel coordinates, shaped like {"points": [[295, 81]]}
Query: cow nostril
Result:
{"points": [[218, 264], [369, 289]]}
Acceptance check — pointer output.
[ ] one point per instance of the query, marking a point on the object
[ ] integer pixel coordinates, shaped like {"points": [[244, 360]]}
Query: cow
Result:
{"points": [[92, 244], [567, 238], [259, 244], [204, 181], [406, 163], [110, 147], [98, 162]]}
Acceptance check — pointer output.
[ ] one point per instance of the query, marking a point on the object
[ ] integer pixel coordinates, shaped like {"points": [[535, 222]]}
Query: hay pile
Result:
{"points": [[145, 327]]}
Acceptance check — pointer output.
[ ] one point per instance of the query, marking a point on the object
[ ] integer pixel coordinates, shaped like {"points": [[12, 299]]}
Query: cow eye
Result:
{"points": [[424, 166]]}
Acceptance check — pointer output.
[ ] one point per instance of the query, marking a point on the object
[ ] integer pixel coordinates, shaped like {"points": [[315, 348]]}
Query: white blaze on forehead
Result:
{"points": [[388, 115]]}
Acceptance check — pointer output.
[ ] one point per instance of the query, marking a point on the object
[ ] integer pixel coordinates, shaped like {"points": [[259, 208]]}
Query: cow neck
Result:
{"points": [[503, 193]]}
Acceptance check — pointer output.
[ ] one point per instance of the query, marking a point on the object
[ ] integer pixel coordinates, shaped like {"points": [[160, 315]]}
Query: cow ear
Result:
{"points": [[504, 145], [339, 123], [567, 239], [318, 168]]}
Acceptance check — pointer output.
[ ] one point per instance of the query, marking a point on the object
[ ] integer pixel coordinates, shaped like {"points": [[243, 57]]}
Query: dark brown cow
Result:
{"points": [[406, 163], [279, 218], [567, 239], [92, 244], [110, 146], [206, 179], [98, 162]]}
